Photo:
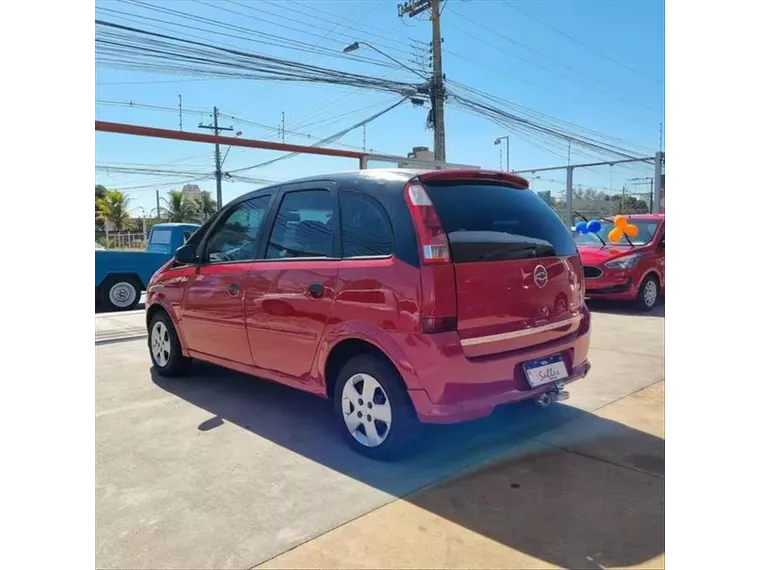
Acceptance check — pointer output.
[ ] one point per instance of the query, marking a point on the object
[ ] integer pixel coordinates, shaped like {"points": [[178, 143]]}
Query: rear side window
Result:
{"points": [[303, 226], [365, 231], [489, 222]]}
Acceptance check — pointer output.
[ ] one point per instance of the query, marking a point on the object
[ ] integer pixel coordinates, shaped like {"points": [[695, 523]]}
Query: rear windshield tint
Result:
{"points": [[489, 222]]}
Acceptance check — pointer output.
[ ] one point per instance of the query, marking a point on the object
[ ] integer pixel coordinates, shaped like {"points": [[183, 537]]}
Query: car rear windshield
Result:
{"points": [[490, 222]]}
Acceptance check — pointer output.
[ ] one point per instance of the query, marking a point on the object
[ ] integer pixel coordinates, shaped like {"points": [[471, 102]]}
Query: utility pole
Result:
{"points": [[438, 89], [661, 136], [412, 8], [217, 154], [283, 127], [364, 138], [158, 207], [180, 112]]}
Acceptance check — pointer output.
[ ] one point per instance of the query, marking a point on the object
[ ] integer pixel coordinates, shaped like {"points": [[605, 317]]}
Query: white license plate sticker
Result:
{"points": [[545, 370]]}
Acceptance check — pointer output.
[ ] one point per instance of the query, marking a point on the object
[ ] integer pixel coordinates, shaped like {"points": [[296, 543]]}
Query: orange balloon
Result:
{"points": [[615, 234], [631, 230], [620, 222]]}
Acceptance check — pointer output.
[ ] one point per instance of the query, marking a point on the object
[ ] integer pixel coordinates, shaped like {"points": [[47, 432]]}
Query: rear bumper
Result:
{"points": [[452, 388], [466, 410]]}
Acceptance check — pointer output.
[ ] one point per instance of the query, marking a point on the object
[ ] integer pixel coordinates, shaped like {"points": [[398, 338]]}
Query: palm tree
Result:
{"points": [[206, 205], [180, 208], [112, 207]]}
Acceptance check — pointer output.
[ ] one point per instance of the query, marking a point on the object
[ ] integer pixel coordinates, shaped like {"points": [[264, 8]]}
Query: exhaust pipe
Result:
{"points": [[559, 394], [544, 400]]}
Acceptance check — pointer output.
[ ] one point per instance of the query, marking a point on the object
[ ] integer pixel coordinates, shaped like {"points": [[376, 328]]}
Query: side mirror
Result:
{"points": [[186, 255]]}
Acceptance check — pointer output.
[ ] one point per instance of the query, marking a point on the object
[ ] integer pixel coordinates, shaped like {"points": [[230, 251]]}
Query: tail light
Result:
{"points": [[434, 245], [438, 305]]}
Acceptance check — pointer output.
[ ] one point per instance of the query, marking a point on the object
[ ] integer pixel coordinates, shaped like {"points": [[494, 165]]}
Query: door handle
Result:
{"points": [[233, 289], [317, 290]]}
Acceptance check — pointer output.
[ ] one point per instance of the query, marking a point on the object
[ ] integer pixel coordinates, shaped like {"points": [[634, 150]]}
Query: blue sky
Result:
{"points": [[597, 64]]}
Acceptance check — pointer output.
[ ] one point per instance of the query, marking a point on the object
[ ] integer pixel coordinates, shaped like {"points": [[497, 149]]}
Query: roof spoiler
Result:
{"points": [[451, 175]]}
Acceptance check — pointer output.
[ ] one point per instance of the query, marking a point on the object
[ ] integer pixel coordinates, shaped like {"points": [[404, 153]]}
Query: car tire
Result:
{"points": [[120, 293], [367, 385], [164, 347], [649, 293]]}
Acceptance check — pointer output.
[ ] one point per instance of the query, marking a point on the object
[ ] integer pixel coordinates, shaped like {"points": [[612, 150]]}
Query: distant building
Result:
{"points": [[191, 191], [546, 196], [421, 153]]}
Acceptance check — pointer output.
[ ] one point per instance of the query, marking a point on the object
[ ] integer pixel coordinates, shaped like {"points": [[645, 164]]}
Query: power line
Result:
{"points": [[131, 47], [582, 44], [610, 87], [217, 154], [326, 140], [242, 120]]}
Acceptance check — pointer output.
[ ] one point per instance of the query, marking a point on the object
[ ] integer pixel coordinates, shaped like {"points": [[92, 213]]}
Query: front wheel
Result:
{"points": [[374, 412], [649, 293], [164, 346]]}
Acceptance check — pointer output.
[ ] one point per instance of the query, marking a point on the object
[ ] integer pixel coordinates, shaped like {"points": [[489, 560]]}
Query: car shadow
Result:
{"points": [[538, 494], [100, 308], [624, 308]]}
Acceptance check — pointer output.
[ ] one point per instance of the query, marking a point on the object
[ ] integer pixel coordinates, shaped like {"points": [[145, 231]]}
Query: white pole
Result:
{"points": [[569, 196], [657, 206]]}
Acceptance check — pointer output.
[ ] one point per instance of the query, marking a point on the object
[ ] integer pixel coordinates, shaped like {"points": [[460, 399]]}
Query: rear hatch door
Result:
{"points": [[517, 269]]}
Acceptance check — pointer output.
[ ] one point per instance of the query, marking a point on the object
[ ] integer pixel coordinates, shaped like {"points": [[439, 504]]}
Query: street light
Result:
{"points": [[237, 134], [355, 46], [497, 142]]}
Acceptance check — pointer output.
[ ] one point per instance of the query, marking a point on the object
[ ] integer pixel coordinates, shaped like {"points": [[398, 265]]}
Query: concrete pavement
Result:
{"points": [[589, 494], [222, 471]]}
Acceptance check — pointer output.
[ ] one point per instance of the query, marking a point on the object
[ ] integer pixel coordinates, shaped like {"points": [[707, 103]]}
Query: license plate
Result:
{"points": [[545, 370]]}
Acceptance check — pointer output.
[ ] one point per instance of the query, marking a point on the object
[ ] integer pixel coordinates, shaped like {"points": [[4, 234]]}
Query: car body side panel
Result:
{"points": [[284, 322]]}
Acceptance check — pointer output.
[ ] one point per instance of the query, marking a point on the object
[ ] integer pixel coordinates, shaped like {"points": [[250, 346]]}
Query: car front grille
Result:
{"points": [[591, 272]]}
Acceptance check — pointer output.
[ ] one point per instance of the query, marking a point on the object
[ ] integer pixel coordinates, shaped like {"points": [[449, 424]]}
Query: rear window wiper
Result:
{"points": [[585, 219]]}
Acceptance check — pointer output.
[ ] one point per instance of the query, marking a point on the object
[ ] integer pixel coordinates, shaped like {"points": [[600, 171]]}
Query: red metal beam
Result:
{"points": [[126, 129]]}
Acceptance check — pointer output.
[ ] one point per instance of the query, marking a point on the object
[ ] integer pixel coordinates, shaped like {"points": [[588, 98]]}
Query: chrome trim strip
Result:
{"points": [[520, 333]]}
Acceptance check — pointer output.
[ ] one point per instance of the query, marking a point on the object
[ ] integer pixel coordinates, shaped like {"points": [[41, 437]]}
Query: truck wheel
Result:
{"points": [[120, 293], [165, 349], [649, 293], [374, 412]]}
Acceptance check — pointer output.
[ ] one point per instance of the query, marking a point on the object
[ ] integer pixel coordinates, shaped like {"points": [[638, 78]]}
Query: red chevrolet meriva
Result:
{"points": [[404, 296]]}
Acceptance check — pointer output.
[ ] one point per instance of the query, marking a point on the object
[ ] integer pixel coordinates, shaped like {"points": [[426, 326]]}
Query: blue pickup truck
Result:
{"points": [[120, 276]]}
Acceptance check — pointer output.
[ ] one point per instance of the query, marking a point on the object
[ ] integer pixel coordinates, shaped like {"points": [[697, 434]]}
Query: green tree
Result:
{"points": [[113, 207], [630, 204], [206, 205], [179, 208]]}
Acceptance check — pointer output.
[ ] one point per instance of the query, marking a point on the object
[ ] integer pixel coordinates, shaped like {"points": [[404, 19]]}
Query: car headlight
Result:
{"points": [[626, 262]]}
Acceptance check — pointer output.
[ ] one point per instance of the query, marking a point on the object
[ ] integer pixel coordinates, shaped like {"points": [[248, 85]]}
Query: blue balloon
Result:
{"points": [[594, 226], [581, 228]]}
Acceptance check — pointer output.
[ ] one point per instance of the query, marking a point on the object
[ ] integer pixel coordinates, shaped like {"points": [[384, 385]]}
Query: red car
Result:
{"points": [[629, 271], [403, 296]]}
